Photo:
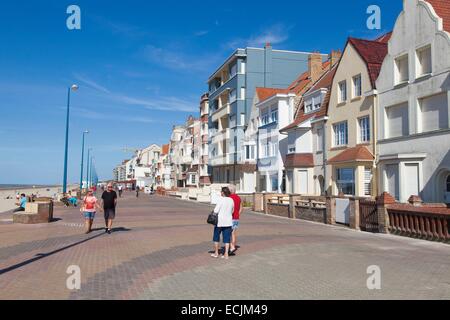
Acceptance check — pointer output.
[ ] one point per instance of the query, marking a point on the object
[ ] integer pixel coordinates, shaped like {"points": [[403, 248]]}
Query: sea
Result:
{"points": [[23, 186]]}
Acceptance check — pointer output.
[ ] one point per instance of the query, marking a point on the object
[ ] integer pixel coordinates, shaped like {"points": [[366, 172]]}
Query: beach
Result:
{"points": [[8, 196]]}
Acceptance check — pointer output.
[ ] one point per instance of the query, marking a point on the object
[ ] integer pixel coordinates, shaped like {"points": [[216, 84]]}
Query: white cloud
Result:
{"points": [[275, 34], [201, 33], [90, 83]]}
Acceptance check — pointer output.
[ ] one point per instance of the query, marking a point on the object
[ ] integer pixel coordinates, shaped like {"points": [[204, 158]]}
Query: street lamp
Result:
{"points": [[87, 171], [82, 161], [66, 153]]}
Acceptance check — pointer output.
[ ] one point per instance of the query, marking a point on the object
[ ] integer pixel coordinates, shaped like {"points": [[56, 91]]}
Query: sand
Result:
{"points": [[9, 204]]}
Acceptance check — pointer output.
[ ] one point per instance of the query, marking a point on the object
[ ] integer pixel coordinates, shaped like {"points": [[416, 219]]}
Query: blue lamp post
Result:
{"points": [[82, 161], [88, 169], [66, 153]]}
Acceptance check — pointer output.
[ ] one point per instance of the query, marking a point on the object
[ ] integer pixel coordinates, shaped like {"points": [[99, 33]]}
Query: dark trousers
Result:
{"points": [[19, 210]]}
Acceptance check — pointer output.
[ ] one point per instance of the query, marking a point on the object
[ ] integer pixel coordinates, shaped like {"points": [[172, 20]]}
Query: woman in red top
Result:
{"points": [[89, 208]]}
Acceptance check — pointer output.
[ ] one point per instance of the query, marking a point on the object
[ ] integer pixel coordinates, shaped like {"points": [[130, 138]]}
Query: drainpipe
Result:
{"points": [[376, 186], [324, 141]]}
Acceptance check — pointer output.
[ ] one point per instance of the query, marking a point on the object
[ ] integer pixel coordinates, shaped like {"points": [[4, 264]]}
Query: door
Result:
{"points": [[343, 211], [302, 182], [412, 180]]}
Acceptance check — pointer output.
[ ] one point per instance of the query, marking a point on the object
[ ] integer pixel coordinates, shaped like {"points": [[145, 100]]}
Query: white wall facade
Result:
{"points": [[420, 158], [271, 167]]}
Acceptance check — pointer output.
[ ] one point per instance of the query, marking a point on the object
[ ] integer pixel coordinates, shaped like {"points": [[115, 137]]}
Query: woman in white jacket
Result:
{"points": [[224, 209]]}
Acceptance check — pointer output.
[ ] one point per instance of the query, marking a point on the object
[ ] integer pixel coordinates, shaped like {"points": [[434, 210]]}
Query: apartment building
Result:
{"points": [[144, 170], [175, 155], [350, 138], [164, 168], [232, 88], [414, 98], [202, 143]]}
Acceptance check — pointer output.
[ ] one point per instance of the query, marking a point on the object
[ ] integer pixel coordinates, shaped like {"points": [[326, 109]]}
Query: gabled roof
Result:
{"points": [[384, 38], [324, 82], [266, 93], [373, 54], [442, 8], [359, 153]]}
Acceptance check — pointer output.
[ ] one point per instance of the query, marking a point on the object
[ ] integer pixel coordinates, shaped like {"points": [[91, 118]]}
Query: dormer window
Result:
{"points": [[424, 62], [402, 69]]}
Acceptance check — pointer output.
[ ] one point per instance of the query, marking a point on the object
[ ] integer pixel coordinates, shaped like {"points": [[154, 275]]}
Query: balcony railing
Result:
{"points": [[222, 112]]}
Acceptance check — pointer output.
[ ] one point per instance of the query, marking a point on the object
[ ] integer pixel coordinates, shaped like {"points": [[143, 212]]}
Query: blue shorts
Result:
{"points": [[236, 225], [89, 215], [226, 231]]}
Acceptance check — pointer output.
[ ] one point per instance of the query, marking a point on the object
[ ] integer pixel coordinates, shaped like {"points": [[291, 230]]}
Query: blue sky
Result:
{"points": [[141, 67]]}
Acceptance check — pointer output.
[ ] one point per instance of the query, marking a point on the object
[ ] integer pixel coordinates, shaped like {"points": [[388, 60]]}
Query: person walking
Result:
{"points": [[109, 204], [224, 209], [120, 188], [137, 192], [89, 209], [238, 208]]}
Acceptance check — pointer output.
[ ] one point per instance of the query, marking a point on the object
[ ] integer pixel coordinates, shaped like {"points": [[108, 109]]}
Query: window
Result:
{"points": [[343, 91], [274, 149], [319, 140], [309, 108], [434, 112], [364, 130], [357, 89], [402, 69], [233, 70], [243, 67], [242, 119], [398, 123], [292, 149], [346, 181], [448, 183], [340, 134], [243, 93], [392, 180], [193, 179], [249, 152], [233, 96], [368, 181], [265, 118], [424, 64], [274, 115], [265, 149], [274, 182]]}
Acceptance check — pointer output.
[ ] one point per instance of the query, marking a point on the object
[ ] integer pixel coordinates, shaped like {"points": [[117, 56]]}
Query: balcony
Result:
{"points": [[221, 136], [222, 160], [222, 112]]}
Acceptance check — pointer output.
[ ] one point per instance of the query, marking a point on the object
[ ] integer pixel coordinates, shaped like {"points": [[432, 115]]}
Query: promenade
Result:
{"points": [[160, 246]]}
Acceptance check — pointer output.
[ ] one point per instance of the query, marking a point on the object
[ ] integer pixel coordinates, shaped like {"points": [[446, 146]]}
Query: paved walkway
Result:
{"points": [[160, 251]]}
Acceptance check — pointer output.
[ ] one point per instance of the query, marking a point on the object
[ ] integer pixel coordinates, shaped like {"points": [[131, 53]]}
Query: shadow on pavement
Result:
{"points": [[40, 256]]}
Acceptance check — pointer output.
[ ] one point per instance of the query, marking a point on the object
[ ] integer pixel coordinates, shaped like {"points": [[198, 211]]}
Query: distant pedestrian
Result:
{"points": [[22, 203], [137, 192], [89, 209], [238, 207], [109, 201], [224, 209], [120, 189]]}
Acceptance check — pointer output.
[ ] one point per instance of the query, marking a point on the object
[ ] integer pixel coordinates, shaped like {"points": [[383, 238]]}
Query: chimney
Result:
{"points": [[315, 66], [334, 57], [268, 45]]}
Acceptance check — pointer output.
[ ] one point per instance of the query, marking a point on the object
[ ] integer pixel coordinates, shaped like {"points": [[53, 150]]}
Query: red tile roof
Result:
{"points": [[325, 82], [266, 93], [359, 153], [442, 8], [384, 38], [165, 149], [373, 54], [300, 160]]}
